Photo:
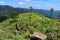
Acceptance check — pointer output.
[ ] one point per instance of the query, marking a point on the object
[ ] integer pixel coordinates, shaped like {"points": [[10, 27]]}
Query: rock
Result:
{"points": [[38, 36]]}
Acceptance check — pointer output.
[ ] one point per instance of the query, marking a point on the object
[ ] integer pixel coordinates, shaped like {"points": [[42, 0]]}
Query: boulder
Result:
{"points": [[38, 36]]}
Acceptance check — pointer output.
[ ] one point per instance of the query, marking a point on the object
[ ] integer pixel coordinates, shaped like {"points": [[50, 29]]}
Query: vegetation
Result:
{"points": [[37, 23], [13, 15], [51, 11], [58, 16]]}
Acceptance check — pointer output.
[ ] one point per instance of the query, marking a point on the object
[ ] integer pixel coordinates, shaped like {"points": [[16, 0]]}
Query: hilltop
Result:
{"points": [[37, 23]]}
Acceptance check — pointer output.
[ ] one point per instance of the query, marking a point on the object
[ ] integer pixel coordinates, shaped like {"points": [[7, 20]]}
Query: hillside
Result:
{"points": [[6, 9], [37, 23]]}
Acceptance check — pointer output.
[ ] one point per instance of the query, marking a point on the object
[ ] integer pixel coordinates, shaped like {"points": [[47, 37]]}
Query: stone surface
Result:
{"points": [[38, 36]]}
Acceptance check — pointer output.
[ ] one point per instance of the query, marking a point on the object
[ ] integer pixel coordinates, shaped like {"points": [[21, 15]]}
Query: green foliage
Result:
{"points": [[13, 15], [38, 23], [3, 17]]}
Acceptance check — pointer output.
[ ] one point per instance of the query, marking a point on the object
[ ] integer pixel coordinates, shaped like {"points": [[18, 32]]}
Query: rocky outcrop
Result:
{"points": [[37, 36]]}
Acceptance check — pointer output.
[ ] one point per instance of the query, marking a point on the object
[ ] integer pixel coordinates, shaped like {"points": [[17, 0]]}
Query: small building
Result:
{"points": [[37, 36]]}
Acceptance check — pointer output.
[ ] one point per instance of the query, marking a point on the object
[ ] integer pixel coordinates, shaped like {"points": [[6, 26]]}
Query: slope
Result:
{"points": [[27, 23]]}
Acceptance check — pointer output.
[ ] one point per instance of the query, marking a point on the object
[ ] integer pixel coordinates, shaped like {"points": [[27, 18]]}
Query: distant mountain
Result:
{"points": [[47, 12], [9, 9]]}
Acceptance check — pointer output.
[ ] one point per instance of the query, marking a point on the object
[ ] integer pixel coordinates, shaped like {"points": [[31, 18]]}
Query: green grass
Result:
{"points": [[38, 23]]}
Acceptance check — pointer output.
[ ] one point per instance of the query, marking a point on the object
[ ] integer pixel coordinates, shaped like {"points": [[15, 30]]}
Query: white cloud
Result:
{"points": [[45, 4], [37, 5], [27, 0], [2, 2], [21, 3]]}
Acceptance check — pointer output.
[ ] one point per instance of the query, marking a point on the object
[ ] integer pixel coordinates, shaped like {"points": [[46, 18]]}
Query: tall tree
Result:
{"points": [[51, 11], [30, 13], [31, 9]]}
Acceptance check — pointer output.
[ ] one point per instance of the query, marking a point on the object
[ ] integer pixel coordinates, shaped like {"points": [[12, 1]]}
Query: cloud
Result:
{"points": [[38, 4], [21, 3], [27, 0], [43, 4], [24, 2], [1, 2]]}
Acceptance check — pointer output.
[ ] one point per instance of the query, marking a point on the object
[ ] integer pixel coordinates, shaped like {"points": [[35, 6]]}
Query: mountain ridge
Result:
{"points": [[10, 9]]}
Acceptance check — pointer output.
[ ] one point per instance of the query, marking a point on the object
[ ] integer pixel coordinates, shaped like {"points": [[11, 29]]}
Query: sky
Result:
{"points": [[36, 4]]}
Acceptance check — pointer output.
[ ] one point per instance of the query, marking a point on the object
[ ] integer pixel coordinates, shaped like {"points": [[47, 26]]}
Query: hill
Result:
{"points": [[36, 23], [5, 9]]}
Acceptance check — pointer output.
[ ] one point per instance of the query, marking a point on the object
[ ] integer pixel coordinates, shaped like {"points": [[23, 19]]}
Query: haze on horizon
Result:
{"points": [[36, 4]]}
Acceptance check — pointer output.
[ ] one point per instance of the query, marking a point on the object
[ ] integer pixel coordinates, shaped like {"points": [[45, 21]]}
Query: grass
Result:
{"points": [[38, 23]]}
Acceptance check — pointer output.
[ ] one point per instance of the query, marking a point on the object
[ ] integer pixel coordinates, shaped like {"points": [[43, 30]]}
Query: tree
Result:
{"points": [[30, 13], [31, 9], [2, 18], [51, 11], [13, 15]]}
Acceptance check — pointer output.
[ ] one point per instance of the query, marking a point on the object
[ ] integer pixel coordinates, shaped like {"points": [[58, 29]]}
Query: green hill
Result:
{"points": [[36, 23]]}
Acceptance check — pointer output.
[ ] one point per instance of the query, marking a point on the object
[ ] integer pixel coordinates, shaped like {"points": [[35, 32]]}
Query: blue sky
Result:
{"points": [[36, 4]]}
